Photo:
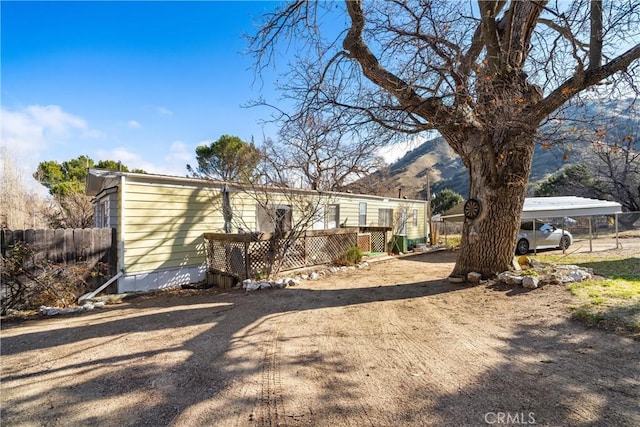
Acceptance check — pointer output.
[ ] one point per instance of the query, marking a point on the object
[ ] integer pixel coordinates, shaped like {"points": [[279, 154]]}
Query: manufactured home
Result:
{"points": [[161, 220]]}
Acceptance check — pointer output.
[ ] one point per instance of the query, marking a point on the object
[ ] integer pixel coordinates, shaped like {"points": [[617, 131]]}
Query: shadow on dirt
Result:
{"points": [[200, 369], [197, 378], [553, 377]]}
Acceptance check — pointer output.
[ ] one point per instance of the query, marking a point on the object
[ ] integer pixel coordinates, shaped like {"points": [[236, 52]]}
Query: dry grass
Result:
{"points": [[612, 300]]}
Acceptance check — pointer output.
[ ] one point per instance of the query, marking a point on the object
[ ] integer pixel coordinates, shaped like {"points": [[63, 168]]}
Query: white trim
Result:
{"points": [[185, 182], [161, 278], [122, 232], [105, 192], [552, 207]]}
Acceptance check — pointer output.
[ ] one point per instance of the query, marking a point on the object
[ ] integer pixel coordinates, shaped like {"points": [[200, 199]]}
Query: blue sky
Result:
{"points": [[140, 82]]}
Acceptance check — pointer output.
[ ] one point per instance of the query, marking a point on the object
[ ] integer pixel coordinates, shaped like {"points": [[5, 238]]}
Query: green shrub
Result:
{"points": [[352, 256]]}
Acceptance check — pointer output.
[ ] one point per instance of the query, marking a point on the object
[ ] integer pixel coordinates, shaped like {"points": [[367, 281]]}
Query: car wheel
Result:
{"points": [[565, 242], [522, 247]]}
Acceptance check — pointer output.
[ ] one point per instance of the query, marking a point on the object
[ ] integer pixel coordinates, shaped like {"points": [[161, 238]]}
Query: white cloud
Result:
{"points": [[52, 118], [134, 124], [173, 163], [178, 152], [118, 153], [37, 127], [164, 111], [129, 158], [391, 153], [27, 132]]}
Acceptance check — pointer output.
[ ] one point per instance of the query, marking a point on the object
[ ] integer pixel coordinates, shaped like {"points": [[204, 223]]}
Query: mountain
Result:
{"points": [[407, 175], [569, 141]]}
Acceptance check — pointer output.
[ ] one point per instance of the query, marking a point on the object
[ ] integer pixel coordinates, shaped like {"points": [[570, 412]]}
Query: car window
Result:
{"points": [[526, 225], [546, 227]]}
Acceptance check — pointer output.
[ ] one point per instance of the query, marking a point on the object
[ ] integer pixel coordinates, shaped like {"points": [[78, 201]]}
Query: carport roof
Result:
{"points": [[552, 207]]}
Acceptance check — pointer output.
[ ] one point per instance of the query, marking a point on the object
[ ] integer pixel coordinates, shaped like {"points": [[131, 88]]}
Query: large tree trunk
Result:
{"points": [[498, 180]]}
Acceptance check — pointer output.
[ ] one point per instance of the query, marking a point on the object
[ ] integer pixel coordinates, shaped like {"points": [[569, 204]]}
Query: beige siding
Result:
{"points": [[164, 223], [350, 210], [164, 226]]}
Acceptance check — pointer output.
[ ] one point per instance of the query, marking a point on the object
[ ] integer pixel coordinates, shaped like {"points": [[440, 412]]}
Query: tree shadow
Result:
{"points": [[209, 348], [571, 379], [198, 369]]}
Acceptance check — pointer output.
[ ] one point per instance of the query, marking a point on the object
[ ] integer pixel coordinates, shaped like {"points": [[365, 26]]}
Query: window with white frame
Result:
{"points": [[385, 217], [319, 219], [362, 214], [102, 214], [414, 218], [333, 216]]}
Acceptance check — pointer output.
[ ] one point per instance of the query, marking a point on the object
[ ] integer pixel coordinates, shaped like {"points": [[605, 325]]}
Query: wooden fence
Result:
{"points": [[67, 246]]}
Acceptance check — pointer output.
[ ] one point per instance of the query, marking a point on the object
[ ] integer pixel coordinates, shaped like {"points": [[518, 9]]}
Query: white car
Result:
{"points": [[545, 236]]}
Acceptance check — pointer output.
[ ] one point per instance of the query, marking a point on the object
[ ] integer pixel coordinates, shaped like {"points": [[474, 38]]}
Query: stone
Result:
{"points": [[251, 286], [510, 278], [49, 311], [474, 277], [293, 282], [530, 282], [314, 276]]}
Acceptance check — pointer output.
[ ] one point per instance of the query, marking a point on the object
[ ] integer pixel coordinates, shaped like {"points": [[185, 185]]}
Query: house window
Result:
{"points": [[283, 219], [402, 227], [273, 218], [385, 217], [362, 216], [319, 219], [102, 214], [333, 216], [415, 217]]}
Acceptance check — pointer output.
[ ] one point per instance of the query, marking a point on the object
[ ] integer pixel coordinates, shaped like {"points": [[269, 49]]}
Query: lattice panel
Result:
{"points": [[378, 241], [227, 257], [295, 256], [364, 242], [326, 249], [258, 257]]}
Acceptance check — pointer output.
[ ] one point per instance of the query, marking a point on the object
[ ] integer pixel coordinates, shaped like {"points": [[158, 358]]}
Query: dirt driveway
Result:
{"points": [[390, 345]]}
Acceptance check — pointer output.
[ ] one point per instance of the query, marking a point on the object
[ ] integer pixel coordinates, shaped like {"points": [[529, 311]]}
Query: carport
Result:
{"points": [[554, 207]]}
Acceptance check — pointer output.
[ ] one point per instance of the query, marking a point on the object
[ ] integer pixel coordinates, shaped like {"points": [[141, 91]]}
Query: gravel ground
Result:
{"points": [[392, 344]]}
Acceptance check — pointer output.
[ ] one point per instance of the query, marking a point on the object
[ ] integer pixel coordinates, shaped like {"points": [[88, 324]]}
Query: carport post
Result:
{"points": [[535, 238], [590, 237], [616, 221], [564, 251]]}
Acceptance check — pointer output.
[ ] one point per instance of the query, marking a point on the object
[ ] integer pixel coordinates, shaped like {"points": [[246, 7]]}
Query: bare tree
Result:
{"points": [[72, 210], [610, 167], [318, 153], [617, 175], [279, 214], [21, 207], [484, 75]]}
